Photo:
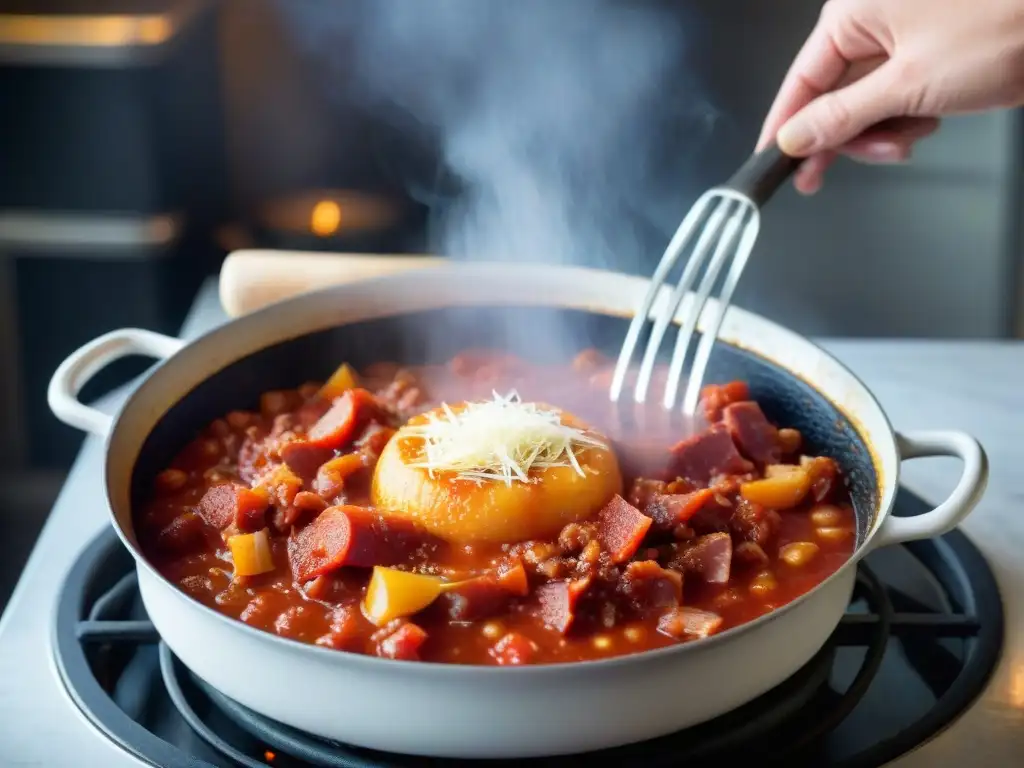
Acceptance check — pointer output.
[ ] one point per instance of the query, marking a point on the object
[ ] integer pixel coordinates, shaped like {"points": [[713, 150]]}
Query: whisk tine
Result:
{"points": [[675, 249], [728, 234], [711, 329], [707, 236], [723, 251]]}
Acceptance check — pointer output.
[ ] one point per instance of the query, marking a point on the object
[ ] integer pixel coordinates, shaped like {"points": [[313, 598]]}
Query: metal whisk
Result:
{"points": [[721, 227]]}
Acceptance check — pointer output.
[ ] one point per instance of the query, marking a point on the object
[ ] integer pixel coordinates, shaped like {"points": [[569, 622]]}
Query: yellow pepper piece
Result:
{"points": [[392, 594], [251, 553], [784, 488], [343, 379]]}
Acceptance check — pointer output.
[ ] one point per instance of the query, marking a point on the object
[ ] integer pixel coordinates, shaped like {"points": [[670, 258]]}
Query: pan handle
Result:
{"points": [[968, 491], [250, 280], [85, 362]]}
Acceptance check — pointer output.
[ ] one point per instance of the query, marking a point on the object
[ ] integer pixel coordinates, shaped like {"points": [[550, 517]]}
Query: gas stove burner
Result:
{"points": [[744, 726], [919, 642]]}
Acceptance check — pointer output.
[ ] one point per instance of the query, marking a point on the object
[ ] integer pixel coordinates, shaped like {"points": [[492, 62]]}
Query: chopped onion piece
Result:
{"points": [[342, 380], [394, 594], [251, 553]]}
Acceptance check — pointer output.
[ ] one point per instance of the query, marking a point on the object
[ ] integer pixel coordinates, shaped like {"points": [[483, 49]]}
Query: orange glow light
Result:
{"points": [[1016, 691], [94, 31], [326, 218]]}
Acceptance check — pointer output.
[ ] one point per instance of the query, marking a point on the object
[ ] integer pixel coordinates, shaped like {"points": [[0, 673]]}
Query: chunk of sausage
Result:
{"points": [[708, 556], [486, 595], [644, 490], [343, 422], [683, 623], [716, 397], [752, 522], [703, 456], [330, 479], [373, 440], [225, 504], [557, 600], [303, 458], [649, 586], [621, 528], [305, 507], [403, 644], [671, 509], [351, 536], [511, 575], [343, 634], [182, 535], [712, 518], [310, 412], [475, 599], [513, 649], [756, 437]]}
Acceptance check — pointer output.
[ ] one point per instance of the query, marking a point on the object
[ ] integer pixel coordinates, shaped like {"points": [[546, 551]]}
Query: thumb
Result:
{"points": [[834, 118]]}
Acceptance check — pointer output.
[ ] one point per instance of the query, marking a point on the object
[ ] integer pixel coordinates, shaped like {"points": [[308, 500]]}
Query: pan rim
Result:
{"points": [[885, 482]]}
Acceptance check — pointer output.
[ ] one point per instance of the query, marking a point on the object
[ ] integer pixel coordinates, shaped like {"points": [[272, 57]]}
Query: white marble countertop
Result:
{"points": [[922, 385]]}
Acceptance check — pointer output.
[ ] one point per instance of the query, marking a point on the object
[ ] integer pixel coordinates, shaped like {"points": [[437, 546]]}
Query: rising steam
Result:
{"points": [[555, 116]]}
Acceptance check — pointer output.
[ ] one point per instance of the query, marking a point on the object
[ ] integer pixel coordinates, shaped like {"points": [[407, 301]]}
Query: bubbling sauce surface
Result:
{"points": [[268, 518]]}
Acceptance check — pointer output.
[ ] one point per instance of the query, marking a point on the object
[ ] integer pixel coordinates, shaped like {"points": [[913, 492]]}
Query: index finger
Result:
{"points": [[822, 65], [816, 69]]}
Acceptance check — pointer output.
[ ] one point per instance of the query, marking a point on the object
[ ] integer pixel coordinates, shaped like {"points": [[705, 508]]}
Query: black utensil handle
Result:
{"points": [[763, 173]]}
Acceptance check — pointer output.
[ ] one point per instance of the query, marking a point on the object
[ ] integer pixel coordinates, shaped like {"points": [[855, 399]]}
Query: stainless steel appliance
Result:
{"points": [[112, 154]]}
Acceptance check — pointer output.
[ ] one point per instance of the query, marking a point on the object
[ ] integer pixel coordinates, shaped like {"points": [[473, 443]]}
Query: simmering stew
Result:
{"points": [[494, 511]]}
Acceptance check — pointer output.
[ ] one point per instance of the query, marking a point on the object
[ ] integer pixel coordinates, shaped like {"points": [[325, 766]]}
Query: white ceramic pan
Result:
{"points": [[462, 711]]}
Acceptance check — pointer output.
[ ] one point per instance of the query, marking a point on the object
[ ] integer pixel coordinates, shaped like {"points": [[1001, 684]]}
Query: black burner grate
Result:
{"points": [[919, 642]]}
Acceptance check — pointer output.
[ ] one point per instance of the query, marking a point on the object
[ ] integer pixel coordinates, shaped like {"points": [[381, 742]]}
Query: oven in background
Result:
{"points": [[112, 153]]}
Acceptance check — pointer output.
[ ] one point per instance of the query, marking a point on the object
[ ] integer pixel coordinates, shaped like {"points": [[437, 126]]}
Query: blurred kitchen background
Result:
{"points": [[141, 140]]}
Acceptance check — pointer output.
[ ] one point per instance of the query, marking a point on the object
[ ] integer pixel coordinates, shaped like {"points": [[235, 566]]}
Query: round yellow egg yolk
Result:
{"points": [[467, 511]]}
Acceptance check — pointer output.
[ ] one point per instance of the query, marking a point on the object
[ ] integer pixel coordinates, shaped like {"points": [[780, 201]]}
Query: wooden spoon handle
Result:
{"points": [[250, 280]]}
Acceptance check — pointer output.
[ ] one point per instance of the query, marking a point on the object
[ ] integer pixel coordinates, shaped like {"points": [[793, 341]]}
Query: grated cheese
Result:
{"points": [[501, 439]]}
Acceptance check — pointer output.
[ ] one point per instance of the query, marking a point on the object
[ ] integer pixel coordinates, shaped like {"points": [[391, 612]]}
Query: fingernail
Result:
{"points": [[808, 185], [886, 152], [796, 138]]}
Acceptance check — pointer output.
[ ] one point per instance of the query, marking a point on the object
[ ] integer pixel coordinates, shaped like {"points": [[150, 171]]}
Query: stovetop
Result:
{"points": [[916, 647], [41, 726]]}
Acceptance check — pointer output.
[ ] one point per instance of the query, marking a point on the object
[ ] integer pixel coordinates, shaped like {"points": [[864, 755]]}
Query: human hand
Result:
{"points": [[875, 75]]}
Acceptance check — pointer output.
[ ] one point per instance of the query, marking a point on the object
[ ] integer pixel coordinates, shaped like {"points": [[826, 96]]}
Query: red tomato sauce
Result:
{"points": [[693, 545]]}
